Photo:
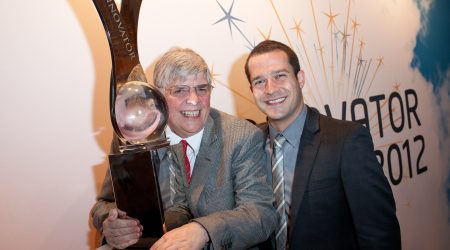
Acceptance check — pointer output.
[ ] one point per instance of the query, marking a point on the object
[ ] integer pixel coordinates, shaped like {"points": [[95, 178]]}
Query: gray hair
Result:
{"points": [[178, 63]]}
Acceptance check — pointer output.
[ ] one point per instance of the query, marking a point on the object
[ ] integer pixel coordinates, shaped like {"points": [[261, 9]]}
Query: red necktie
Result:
{"points": [[186, 161]]}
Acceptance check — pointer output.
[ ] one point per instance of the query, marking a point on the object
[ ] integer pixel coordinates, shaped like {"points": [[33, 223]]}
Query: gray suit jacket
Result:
{"points": [[228, 193]]}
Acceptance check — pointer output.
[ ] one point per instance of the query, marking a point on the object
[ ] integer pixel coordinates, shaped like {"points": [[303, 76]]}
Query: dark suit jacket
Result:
{"points": [[228, 193], [340, 196]]}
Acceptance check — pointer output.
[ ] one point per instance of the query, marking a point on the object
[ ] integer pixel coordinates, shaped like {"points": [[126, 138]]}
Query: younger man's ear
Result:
{"points": [[301, 78]]}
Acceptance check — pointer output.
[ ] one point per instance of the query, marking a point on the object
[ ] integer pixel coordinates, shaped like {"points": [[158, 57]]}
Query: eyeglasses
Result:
{"points": [[182, 91]]}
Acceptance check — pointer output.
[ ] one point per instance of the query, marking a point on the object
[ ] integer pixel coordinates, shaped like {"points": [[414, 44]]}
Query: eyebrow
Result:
{"points": [[271, 73], [281, 71], [176, 85], [255, 78]]}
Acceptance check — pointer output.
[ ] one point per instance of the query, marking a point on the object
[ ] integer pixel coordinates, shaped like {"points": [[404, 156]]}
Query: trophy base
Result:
{"points": [[136, 188], [126, 147]]}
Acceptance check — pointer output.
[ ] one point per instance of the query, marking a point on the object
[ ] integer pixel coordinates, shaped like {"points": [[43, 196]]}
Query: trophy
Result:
{"points": [[139, 115]]}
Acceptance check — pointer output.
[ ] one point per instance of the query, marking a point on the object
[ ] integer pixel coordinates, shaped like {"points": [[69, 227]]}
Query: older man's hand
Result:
{"points": [[120, 230], [191, 236]]}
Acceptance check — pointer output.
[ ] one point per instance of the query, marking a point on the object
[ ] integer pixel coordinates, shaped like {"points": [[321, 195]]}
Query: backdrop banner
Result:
{"points": [[381, 63]]}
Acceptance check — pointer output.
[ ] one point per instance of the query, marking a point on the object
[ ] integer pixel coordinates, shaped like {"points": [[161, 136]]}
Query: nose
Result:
{"points": [[192, 97], [270, 86]]}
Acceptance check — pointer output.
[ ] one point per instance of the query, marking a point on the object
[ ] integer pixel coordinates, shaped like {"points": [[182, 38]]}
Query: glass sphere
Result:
{"points": [[140, 112]]}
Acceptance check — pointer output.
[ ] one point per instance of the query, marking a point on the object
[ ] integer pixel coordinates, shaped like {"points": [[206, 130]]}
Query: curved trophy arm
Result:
{"points": [[122, 37], [129, 11], [121, 31]]}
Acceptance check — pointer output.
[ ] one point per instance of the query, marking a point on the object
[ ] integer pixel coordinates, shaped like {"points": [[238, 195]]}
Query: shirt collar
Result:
{"points": [[294, 131], [193, 141]]}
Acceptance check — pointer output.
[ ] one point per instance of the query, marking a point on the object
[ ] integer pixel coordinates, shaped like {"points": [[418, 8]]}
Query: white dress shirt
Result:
{"points": [[193, 144]]}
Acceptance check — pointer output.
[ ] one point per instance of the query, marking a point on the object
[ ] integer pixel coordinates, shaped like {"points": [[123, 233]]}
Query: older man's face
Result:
{"points": [[188, 108]]}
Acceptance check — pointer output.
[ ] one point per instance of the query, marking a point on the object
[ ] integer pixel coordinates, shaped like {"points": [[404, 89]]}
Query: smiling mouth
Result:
{"points": [[191, 114], [276, 101]]}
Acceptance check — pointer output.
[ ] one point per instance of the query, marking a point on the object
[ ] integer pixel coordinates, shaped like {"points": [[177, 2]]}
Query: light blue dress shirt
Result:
{"points": [[292, 133]]}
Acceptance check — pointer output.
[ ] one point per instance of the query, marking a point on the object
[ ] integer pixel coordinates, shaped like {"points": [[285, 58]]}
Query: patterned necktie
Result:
{"points": [[169, 159], [186, 161], [278, 190]]}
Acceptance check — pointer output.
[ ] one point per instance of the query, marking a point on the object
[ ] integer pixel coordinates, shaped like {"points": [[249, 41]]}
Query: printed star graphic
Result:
{"points": [[297, 28], [231, 21], [355, 24], [336, 35], [360, 61], [362, 44], [213, 73], [320, 50], [396, 86], [228, 17], [380, 60], [345, 36], [266, 37], [331, 18]]}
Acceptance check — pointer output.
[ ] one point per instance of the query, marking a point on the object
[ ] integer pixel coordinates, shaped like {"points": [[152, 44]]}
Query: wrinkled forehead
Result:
{"points": [[190, 78]]}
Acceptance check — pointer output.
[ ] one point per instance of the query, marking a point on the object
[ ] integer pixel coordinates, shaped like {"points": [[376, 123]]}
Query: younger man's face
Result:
{"points": [[275, 87]]}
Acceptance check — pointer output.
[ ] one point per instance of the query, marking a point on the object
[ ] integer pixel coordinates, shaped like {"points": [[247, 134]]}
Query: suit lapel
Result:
{"points": [[309, 145], [204, 169]]}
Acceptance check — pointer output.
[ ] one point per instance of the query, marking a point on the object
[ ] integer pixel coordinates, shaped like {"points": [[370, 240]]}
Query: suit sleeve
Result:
{"points": [[105, 199], [368, 194], [253, 218]]}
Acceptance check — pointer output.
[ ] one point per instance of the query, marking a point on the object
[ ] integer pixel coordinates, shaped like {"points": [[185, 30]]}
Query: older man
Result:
{"points": [[221, 183]]}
